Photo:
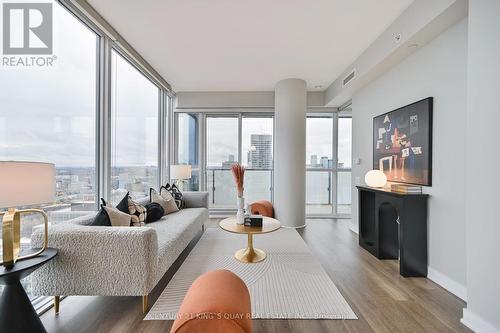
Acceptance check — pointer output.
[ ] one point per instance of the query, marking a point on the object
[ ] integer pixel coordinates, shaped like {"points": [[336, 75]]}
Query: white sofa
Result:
{"points": [[116, 261]]}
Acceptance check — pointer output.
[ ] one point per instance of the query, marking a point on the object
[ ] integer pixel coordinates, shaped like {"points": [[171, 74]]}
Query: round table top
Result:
{"points": [[268, 225], [25, 267]]}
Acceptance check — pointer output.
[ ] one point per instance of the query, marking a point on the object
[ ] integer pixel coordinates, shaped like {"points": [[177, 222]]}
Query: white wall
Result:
{"points": [[439, 70], [483, 165], [238, 99]]}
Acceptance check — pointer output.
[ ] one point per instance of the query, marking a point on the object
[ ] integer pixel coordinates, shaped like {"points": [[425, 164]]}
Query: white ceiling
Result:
{"points": [[236, 45]]}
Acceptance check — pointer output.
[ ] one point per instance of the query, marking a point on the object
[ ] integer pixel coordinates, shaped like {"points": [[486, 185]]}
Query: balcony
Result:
{"points": [[222, 190]]}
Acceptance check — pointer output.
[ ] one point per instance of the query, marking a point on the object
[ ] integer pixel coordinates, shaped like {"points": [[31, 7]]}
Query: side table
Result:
{"points": [[16, 312]]}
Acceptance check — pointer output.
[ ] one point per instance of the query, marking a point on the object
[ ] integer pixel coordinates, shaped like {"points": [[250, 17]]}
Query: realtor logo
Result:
{"points": [[27, 28]]}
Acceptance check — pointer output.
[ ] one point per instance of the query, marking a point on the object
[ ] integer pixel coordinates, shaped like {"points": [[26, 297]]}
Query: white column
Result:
{"points": [[290, 152]]}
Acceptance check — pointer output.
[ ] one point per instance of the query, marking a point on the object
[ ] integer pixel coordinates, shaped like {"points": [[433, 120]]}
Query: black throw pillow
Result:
{"points": [[176, 194], [102, 218], [123, 204], [154, 212]]}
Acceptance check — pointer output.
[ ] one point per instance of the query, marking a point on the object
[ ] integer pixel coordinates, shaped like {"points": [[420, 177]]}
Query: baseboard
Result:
{"points": [[354, 228], [476, 323], [444, 281]]}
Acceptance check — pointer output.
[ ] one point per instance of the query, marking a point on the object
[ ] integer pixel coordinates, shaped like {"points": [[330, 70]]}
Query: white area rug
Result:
{"points": [[289, 284]]}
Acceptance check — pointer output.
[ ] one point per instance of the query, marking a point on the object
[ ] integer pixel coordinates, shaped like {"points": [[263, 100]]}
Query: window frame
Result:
{"points": [[106, 42]]}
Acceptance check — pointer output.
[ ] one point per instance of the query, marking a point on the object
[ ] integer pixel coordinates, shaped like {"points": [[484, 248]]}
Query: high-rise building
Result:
{"points": [[230, 161], [260, 155], [314, 161]]}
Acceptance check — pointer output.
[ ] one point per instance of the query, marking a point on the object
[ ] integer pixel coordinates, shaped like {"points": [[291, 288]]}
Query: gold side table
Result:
{"points": [[250, 254]]}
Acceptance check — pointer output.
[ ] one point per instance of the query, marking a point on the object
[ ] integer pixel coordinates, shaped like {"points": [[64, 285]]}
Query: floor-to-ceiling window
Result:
{"points": [[328, 164], [319, 164], [187, 138], [135, 113], [226, 139], [222, 151], [49, 114], [86, 122], [257, 156]]}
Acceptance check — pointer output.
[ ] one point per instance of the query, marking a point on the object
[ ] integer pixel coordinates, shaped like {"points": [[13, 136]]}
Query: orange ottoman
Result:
{"points": [[217, 301], [262, 207]]}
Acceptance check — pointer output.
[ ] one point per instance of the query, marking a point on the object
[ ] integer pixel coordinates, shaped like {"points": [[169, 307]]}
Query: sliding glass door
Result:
{"points": [[257, 156], [222, 151], [319, 164], [328, 164]]}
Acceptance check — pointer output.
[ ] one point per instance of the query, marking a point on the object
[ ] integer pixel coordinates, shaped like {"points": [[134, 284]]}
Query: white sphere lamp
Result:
{"points": [[375, 178]]}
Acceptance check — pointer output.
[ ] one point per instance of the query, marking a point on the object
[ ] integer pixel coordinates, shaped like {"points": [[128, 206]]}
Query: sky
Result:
{"points": [[48, 114]]}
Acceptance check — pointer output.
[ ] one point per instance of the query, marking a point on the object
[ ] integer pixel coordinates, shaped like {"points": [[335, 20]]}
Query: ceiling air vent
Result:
{"points": [[349, 77]]}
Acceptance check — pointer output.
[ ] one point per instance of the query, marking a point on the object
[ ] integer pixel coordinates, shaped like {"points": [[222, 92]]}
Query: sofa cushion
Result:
{"points": [[137, 212], [174, 232], [101, 218], [116, 217], [176, 194], [165, 200], [122, 206], [154, 212]]}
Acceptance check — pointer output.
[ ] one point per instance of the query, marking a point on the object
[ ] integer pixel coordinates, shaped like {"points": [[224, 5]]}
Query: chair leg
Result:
{"points": [[144, 304], [57, 301]]}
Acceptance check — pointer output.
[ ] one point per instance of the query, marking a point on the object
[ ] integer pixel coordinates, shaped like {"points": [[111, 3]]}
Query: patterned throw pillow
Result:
{"points": [[176, 194], [166, 201], [138, 213]]}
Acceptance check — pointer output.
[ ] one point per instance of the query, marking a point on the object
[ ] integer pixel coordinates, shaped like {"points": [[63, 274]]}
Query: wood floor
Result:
{"points": [[382, 299]]}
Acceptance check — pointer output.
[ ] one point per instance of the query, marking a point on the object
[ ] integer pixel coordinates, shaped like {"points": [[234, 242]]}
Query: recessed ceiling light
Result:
{"points": [[413, 46], [318, 86]]}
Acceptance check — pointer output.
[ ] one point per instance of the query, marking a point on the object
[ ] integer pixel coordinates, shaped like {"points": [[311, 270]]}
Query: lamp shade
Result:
{"points": [[182, 171], [26, 183], [375, 178]]}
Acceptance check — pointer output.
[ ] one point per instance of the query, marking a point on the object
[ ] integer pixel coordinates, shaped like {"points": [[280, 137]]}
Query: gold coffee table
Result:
{"points": [[250, 254]]}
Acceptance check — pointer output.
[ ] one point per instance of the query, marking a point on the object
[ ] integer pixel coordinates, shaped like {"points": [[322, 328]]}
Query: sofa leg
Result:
{"points": [[144, 304], [57, 301]]}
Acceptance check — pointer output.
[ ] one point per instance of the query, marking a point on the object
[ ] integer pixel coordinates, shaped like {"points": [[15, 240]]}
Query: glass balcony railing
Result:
{"points": [[319, 199], [344, 199], [320, 187], [222, 189]]}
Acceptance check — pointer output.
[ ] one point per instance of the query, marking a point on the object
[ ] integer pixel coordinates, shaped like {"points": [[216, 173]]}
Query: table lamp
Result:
{"points": [[23, 184], [180, 172], [375, 178]]}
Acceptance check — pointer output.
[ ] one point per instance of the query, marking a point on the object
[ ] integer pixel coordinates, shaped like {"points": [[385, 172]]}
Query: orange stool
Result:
{"points": [[217, 301], [262, 207]]}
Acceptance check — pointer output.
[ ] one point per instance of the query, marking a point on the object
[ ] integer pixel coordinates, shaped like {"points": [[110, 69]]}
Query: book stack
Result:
{"points": [[409, 189]]}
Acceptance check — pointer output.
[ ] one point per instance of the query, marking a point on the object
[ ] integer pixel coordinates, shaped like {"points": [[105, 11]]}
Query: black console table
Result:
{"points": [[392, 225], [16, 312]]}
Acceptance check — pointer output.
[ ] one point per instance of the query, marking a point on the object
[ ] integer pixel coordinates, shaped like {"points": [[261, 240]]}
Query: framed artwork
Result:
{"points": [[402, 143]]}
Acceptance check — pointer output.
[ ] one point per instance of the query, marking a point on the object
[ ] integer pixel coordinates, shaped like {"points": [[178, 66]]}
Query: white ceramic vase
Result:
{"points": [[240, 214]]}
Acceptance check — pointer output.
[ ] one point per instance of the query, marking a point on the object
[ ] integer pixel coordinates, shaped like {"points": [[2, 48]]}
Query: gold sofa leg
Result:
{"points": [[144, 304], [57, 301]]}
